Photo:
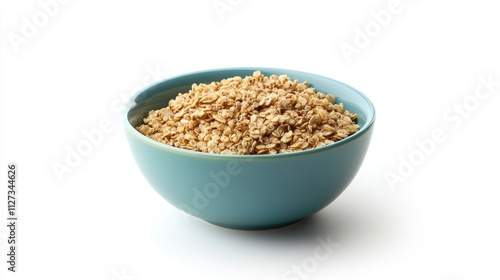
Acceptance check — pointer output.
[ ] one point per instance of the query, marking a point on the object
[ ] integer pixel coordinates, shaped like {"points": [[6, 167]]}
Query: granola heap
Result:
{"points": [[254, 115]]}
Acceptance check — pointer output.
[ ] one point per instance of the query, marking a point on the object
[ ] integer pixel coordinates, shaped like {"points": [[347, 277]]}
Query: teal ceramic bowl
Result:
{"points": [[249, 191]]}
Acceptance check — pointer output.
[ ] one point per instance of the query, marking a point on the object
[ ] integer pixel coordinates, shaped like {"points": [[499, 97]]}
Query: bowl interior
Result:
{"points": [[158, 95]]}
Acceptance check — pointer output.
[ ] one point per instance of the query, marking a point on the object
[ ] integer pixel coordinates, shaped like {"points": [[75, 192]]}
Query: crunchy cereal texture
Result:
{"points": [[254, 115]]}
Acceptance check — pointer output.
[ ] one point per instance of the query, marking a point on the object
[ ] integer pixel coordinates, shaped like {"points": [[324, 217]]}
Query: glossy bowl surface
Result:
{"points": [[249, 191]]}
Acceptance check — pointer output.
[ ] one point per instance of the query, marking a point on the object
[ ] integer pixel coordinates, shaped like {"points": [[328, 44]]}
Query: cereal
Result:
{"points": [[255, 115]]}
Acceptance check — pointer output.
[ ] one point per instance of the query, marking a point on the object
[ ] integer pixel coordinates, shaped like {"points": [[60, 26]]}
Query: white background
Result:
{"points": [[103, 221]]}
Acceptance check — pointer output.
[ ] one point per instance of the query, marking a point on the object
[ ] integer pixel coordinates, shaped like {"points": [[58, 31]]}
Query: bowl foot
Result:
{"points": [[254, 227]]}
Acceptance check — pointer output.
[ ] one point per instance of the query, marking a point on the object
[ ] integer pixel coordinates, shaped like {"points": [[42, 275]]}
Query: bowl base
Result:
{"points": [[254, 227]]}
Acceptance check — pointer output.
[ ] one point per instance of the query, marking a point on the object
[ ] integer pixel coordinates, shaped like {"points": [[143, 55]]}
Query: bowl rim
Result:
{"points": [[370, 118]]}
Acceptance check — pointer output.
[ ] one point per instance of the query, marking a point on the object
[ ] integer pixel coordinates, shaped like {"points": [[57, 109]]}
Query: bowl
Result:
{"points": [[248, 191]]}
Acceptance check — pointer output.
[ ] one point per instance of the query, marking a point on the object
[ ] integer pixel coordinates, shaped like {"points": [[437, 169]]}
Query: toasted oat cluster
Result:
{"points": [[254, 115]]}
